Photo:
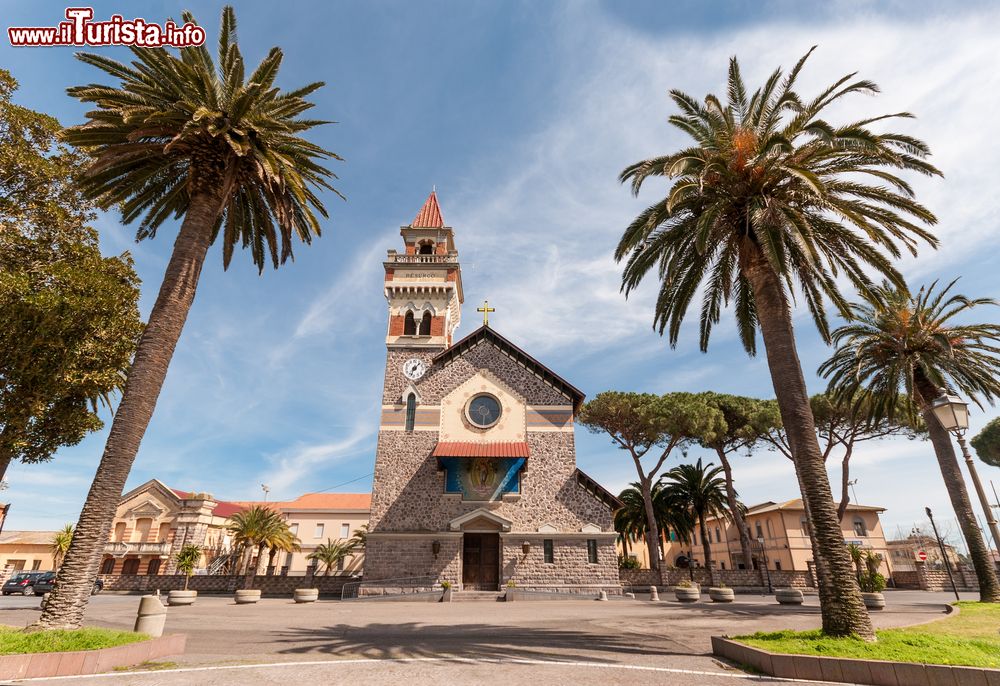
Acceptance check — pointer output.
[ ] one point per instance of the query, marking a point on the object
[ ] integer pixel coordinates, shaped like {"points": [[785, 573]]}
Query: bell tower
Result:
{"points": [[423, 284]]}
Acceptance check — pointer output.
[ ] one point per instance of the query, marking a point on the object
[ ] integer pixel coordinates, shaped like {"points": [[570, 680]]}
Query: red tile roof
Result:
{"points": [[223, 508], [429, 215], [493, 449], [328, 501]]}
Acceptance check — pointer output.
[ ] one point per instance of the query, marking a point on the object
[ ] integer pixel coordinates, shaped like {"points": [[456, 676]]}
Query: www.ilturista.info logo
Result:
{"points": [[80, 30]]}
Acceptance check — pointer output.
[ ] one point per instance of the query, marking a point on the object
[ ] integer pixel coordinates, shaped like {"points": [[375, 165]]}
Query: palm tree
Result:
{"points": [[182, 137], [701, 491], [903, 347], [359, 539], [186, 560], [631, 521], [256, 528], [280, 539], [857, 554], [769, 196], [60, 544], [330, 553]]}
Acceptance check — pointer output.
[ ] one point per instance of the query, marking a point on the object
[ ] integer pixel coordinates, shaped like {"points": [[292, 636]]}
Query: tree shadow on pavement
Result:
{"points": [[479, 641]]}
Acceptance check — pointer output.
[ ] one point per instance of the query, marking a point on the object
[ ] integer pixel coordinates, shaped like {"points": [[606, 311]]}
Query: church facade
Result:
{"points": [[476, 480]]}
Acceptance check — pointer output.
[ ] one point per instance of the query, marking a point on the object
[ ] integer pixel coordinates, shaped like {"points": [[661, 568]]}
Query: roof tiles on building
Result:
{"points": [[491, 449], [429, 215]]}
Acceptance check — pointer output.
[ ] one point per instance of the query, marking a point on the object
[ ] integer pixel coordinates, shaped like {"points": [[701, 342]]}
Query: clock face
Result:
{"points": [[414, 368]]}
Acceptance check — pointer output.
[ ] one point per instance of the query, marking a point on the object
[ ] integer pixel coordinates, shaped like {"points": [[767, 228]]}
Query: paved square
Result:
{"points": [[622, 641]]}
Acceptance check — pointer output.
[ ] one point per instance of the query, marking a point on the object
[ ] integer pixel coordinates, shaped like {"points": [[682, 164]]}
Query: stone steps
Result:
{"points": [[476, 596]]}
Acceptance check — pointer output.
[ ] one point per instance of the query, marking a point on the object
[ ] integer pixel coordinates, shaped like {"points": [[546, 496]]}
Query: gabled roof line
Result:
{"points": [[526, 360]]}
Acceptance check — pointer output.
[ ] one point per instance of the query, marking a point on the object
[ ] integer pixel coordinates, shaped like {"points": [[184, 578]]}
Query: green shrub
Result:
{"points": [[625, 562]]}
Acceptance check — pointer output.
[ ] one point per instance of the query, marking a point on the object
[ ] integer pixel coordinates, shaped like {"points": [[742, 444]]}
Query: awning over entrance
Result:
{"points": [[492, 449]]}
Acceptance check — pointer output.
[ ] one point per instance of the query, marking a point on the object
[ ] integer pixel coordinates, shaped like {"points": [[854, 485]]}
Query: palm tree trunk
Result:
{"points": [[989, 587], [845, 477], [842, 608], [652, 529], [69, 598], [734, 508], [706, 548]]}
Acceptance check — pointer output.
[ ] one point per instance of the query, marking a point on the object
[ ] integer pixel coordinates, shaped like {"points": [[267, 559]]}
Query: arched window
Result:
{"points": [[859, 527], [409, 325], [427, 248], [411, 411], [108, 565], [425, 324], [760, 532], [718, 535]]}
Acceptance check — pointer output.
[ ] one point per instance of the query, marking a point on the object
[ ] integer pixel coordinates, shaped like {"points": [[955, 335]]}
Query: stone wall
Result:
{"points": [[225, 584], [413, 556], [937, 580], [905, 579], [409, 488], [570, 569]]}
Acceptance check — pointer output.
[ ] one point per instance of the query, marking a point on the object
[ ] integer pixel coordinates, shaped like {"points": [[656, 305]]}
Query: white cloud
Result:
{"points": [[297, 466]]}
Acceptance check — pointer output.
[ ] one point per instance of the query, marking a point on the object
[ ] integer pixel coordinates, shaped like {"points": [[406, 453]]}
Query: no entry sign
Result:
{"points": [[922, 555]]}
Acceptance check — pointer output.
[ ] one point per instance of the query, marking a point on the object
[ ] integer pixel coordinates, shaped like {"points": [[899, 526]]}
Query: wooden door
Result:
{"points": [[481, 562]]}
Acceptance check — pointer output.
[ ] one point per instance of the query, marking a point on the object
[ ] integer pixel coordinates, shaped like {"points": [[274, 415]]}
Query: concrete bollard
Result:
{"points": [[151, 617], [45, 599], [654, 595], [603, 595]]}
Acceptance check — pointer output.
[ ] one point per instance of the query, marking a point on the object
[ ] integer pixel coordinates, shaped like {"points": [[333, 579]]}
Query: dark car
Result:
{"points": [[22, 583], [48, 580]]}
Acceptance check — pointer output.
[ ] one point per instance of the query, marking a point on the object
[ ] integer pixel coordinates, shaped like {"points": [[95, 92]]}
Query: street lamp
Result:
{"points": [[953, 415], [763, 554]]}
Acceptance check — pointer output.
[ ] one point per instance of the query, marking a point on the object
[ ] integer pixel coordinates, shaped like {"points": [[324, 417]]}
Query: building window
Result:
{"points": [[163, 535], [722, 564], [345, 530], [804, 523], [859, 527], [718, 536], [120, 531], [131, 566], [547, 548], [340, 564], [294, 528], [592, 551], [777, 565], [425, 324], [770, 532], [426, 248], [409, 325], [154, 567], [108, 566], [36, 564], [760, 532], [411, 411], [319, 531]]}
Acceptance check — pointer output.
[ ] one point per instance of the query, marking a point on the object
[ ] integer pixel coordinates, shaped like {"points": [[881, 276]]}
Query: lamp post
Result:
{"points": [[763, 554], [944, 554], [953, 415]]}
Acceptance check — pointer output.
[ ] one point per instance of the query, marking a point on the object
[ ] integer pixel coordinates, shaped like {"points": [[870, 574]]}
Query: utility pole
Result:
{"points": [[991, 521], [947, 562]]}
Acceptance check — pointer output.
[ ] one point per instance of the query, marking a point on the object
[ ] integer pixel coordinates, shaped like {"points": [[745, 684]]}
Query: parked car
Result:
{"points": [[22, 583], [48, 581]]}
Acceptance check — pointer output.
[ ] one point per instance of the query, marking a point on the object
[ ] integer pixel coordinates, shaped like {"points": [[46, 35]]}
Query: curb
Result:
{"points": [[850, 670], [79, 662]]}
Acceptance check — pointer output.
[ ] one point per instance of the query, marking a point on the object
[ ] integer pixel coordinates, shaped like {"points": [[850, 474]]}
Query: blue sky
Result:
{"points": [[521, 114]]}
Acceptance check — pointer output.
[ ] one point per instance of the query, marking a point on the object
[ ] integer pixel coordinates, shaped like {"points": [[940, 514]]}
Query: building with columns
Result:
{"points": [[476, 480], [153, 522]]}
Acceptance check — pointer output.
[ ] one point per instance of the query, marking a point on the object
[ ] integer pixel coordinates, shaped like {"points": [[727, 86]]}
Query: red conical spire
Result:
{"points": [[429, 215]]}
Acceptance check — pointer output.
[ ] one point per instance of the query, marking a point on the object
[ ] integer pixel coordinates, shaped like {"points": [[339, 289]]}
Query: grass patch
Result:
{"points": [[15, 641], [971, 638]]}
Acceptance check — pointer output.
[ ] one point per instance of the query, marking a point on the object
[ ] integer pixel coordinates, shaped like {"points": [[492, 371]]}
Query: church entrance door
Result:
{"points": [[481, 562]]}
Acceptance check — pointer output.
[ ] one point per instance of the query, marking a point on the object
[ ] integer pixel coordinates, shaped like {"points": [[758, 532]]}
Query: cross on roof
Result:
{"points": [[486, 309]]}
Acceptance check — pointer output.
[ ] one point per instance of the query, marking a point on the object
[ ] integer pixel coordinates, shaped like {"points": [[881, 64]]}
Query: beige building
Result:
{"points": [[153, 521], [780, 536], [26, 550], [904, 553]]}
